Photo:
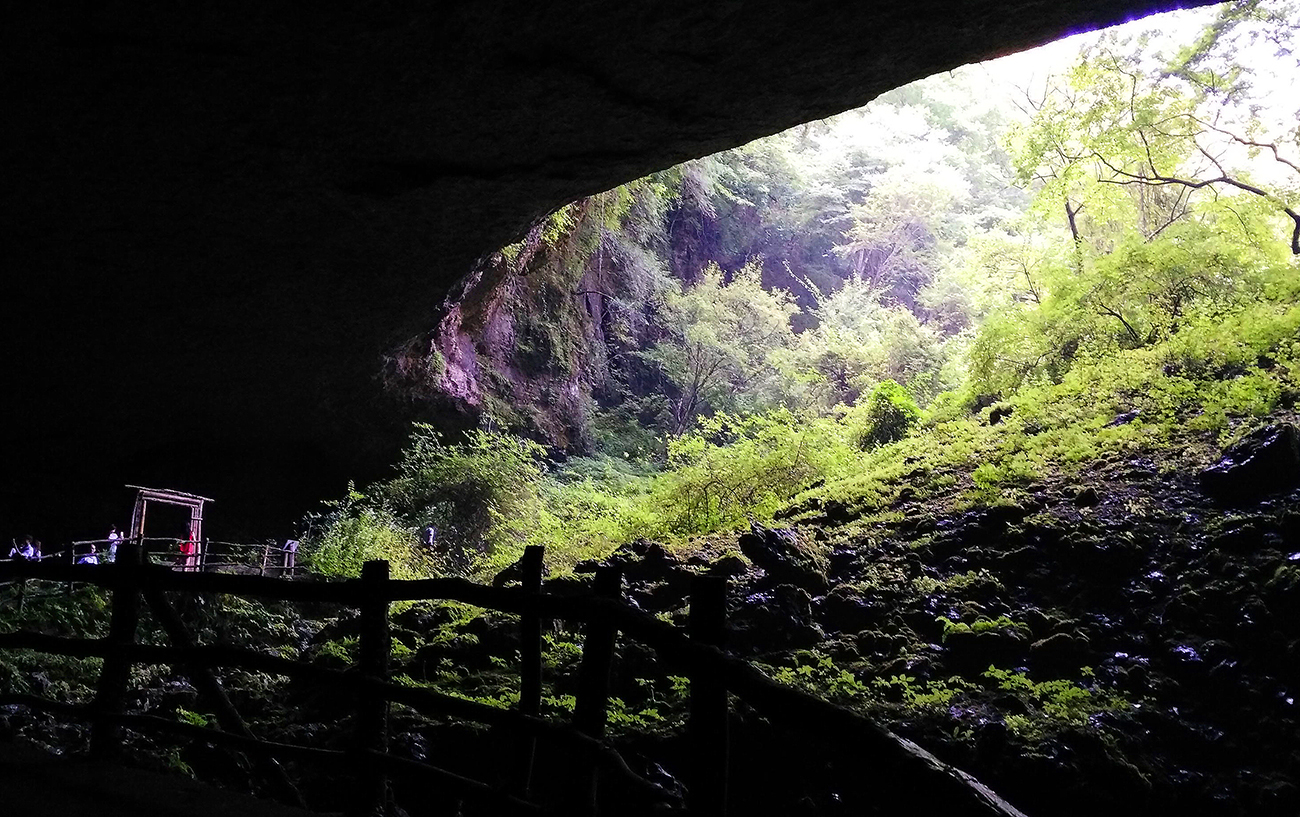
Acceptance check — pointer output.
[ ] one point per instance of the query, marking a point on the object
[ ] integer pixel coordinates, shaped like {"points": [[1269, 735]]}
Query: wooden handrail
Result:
{"points": [[910, 766], [428, 702]]}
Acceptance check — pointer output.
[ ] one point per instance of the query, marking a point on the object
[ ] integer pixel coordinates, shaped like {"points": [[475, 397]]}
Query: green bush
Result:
{"points": [[481, 492], [355, 533], [889, 415], [732, 468]]}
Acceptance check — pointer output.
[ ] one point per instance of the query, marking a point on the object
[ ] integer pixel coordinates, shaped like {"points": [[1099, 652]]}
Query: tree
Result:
{"points": [[720, 342], [858, 341], [1127, 140], [894, 243]]}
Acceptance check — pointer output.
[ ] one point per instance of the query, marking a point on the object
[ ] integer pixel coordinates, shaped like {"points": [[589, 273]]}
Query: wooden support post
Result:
{"points": [[203, 555], [22, 593], [115, 675], [266, 554], [72, 559], [530, 661], [707, 728], [211, 691], [372, 709], [593, 684]]}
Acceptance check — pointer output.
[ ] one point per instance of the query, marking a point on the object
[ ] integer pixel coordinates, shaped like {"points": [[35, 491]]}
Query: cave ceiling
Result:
{"points": [[218, 216]]}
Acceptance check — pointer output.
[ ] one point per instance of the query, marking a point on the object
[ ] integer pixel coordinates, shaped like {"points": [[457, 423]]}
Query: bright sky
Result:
{"points": [[1036, 64], [1007, 79], [1273, 77]]}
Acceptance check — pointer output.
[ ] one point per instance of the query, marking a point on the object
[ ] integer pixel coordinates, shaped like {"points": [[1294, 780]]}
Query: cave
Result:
{"points": [[218, 219]]}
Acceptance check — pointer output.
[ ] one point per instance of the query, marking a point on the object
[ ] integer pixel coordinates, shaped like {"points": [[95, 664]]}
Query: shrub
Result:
{"points": [[889, 415], [732, 468], [354, 533]]}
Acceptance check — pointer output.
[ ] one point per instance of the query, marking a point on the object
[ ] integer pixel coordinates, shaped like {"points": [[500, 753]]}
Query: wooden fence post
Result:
{"points": [[212, 693], [707, 728], [372, 709], [115, 674], [530, 660], [589, 710]]}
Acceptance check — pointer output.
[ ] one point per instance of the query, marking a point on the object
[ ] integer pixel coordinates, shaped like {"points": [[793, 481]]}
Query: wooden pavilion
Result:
{"points": [[144, 496]]}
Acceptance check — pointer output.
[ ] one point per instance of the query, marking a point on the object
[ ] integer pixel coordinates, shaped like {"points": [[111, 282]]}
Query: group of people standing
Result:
{"points": [[105, 551], [93, 556], [28, 550]]}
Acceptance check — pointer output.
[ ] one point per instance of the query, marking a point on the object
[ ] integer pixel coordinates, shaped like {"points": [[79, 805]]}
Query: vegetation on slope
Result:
{"points": [[760, 327]]}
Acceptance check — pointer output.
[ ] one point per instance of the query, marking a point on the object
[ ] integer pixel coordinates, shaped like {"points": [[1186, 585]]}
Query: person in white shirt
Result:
{"points": [[113, 538], [91, 558], [27, 550]]}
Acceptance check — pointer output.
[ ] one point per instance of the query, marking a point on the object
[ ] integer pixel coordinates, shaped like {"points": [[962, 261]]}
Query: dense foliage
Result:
{"points": [[745, 328]]}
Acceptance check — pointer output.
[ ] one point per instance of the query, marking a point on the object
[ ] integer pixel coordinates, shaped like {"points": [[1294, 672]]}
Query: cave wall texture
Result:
{"points": [[216, 217]]}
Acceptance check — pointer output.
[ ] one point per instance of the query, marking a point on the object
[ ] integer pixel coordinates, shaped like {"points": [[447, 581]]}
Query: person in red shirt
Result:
{"points": [[188, 558]]}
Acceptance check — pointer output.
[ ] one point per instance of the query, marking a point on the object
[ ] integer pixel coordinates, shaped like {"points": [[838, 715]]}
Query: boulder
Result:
{"points": [[779, 618], [848, 609], [638, 548], [1265, 461], [646, 562], [970, 652], [1124, 418], [1000, 412], [1062, 653], [567, 586], [844, 562], [728, 566], [1289, 528], [785, 557], [423, 617], [514, 574], [1247, 538]]}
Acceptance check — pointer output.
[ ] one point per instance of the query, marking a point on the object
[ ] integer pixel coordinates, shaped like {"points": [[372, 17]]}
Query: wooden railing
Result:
{"points": [[932, 784], [265, 558]]}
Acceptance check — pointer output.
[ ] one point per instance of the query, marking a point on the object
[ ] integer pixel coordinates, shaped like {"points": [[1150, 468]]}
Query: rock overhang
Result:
{"points": [[217, 219]]}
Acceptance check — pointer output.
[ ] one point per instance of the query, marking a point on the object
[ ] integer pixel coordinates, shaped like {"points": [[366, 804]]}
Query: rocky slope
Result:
{"points": [[1119, 641], [1115, 641]]}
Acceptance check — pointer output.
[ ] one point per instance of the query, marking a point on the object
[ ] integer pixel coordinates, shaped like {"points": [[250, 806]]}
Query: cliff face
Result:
{"points": [[217, 219], [482, 362]]}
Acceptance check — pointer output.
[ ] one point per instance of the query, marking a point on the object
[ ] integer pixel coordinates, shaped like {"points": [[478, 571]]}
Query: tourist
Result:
{"points": [[290, 555], [113, 539], [27, 551], [188, 558], [91, 558]]}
